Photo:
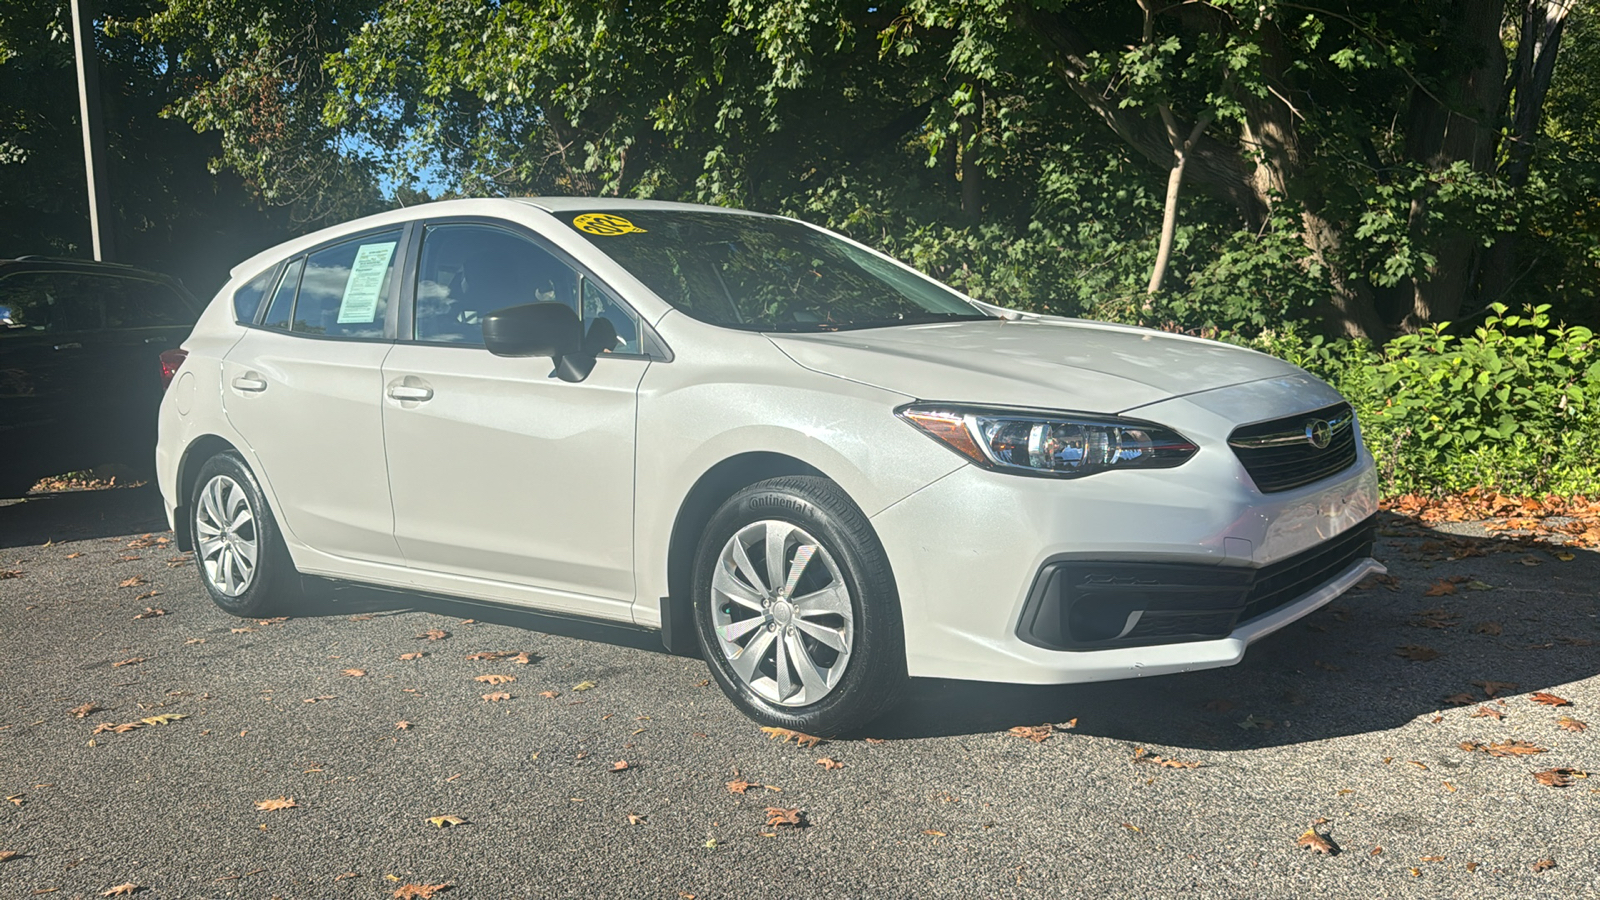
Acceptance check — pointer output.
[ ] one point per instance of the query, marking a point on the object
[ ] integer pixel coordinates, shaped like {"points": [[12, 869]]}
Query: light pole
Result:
{"points": [[94, 136]]}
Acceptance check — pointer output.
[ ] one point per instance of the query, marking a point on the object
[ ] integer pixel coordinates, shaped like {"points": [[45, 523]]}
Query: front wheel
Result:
{"points": [[241, 558], [796, 608]]}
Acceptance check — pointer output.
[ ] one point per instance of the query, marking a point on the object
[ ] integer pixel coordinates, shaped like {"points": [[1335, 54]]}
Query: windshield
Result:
{"points": [[764, 274]]}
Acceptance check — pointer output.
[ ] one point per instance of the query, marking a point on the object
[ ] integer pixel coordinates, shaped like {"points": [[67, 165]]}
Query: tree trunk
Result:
{"points": [[1169, 217], [971, 171]]}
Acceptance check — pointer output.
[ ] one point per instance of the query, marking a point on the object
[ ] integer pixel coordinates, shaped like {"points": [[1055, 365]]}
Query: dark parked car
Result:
{"points": [[81, 365]]}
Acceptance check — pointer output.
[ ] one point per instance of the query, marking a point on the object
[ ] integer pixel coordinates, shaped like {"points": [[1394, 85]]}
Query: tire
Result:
{"points": [[841, 641], [230, 523]]}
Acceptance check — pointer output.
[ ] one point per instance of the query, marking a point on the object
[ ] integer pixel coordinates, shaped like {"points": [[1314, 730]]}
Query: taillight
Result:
{"points": [[171, 361]]}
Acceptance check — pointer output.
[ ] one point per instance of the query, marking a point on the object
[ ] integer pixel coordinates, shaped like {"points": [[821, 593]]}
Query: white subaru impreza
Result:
{"points": [[810, 464]]}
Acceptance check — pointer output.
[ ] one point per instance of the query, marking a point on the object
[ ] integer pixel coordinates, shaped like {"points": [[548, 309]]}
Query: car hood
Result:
{"points": [[1035, 361]]}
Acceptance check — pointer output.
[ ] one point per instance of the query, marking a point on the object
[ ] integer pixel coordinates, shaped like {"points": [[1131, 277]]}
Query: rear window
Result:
{"points": [[80, 301]]}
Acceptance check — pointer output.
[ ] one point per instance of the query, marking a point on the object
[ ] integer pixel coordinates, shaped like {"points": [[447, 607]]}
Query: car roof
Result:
{"points": [[34, 263], [464, 207]]}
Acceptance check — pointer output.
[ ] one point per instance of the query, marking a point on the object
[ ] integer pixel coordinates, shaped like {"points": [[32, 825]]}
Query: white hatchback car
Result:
{"points": [[817, 468]]}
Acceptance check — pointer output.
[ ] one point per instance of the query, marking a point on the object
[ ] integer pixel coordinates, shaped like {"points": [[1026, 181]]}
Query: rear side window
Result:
{"points": [[344, 291], [283, 298], [145, 304], [247, 300], [79, 301]]}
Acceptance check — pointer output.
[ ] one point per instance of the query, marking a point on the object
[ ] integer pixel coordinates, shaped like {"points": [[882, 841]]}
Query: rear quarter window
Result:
{"points": [[247, 300]]}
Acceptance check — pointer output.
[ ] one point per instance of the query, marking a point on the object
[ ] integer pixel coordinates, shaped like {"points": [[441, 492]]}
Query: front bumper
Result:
{"points": [[967, 553]]}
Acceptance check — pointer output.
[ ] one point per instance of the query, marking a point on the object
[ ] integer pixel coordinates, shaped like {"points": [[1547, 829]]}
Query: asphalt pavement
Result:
{"points": [[1325, 722]]}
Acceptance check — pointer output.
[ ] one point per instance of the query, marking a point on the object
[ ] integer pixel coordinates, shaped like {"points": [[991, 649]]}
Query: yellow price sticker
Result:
{"points": [[605, 224]]}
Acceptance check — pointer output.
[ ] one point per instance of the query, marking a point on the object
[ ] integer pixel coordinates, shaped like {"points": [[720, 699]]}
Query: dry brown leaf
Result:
{"points": [[128, 887], [739, 785], [420, 891], [321, 698], [1487, 712], [549, 695], [1472, 867], [83, 711], [1142, 755], [875, 740], [354, 673], [446, 821], [522, 659], [150, 612], [1503, 748], [245, 630], [496, 679], [1559, 777], [131, 661], [1036, 733], [777, 815], [73, 555], [1416, 653], [1544, 864], [131, 582], [1489, 628], [620, 765], [1318, 841], [434, 634], [829, 763], [9, 854], [1496, 688], [635, 819], [483, 655], [496, 696], [402, 725], [1440, 588], [931, 832], [1545, 699], [1462, 699], [277, 803], [800, 739], [1433, 859], [407, 657], [1571, 724], [1377, 851], [163, 719]]}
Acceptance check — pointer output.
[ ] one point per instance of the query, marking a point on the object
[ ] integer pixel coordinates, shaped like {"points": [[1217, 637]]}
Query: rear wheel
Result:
{"points": [[238, 551], [796, 608]]}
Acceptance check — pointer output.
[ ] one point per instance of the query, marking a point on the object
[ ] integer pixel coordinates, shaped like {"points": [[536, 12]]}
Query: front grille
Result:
{"points": [[1290, 579], [1280, 456]]}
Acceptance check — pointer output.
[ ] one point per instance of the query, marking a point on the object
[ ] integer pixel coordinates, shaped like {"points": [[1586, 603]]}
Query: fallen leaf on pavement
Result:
{"points": [[482, 655], [1440, 588], [931, 832], [322, 698], [163, 719], [1433, 859], [1416, 653], [1496, 688], [829, 763], [1461, 700], [407, 657], [80, 712], [1549, 699], [1543, 864], [635, 819], [1435, 618], [1560, 777], [584, 686], [434, 634], [620, 765], [800, 739], [1318, 841], [1486, 712], [522, 659], [128, 662], [1489, 628], [739, 786], [1503, 748], [777, 815], [354, 673], [1036, 733], [1142, 755], [277, 803], [1571, 724], [420, 891], [1251, 722], [549, 695], [131, 582], [9, 854], [446, 821], [496, 679], [1218, 706], [150, 612], [128, 887], [496, 696], [246, 630]]}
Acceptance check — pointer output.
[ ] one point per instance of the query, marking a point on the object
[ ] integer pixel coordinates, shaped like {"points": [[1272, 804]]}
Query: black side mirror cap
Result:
{"points": [[533, 329]]}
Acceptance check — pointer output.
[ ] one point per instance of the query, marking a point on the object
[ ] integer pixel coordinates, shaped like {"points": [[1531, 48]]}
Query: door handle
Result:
{"points": [[410, 392], [249, 385], [69, 345]]}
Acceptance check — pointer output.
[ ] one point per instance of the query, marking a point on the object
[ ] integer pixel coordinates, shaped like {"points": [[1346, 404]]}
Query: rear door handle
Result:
{"points": [[410, 392], [249, 385]]}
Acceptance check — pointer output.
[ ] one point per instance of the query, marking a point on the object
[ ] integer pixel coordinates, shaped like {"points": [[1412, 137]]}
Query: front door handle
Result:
{"points": [[249, 385], [410, 392]]}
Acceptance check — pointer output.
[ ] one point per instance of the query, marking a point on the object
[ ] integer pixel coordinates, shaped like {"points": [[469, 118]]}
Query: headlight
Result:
{"points": [[1065, 445]]}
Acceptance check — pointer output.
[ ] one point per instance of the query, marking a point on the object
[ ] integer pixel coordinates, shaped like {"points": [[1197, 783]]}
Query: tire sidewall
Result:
{"points": [[877, 660], [272, 570]]}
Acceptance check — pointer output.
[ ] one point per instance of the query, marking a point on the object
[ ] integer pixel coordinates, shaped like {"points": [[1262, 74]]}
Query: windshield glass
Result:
{"points": [[764, 274]]}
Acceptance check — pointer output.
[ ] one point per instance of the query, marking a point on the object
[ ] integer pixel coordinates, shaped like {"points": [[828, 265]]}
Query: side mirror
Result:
{"points": [[547, 329]]}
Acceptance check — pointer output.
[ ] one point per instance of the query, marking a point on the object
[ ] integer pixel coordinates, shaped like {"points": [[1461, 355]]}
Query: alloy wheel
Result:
{"points": [[226, 534]]}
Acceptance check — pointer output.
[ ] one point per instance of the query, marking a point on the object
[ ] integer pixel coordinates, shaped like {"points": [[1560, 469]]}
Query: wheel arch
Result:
{"points": [[194, 456], [709, 492]]}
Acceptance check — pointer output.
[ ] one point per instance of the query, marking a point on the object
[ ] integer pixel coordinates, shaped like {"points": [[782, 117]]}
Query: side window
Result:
{"points": [[145, 304], [344, 291], [52, 302], [247, 300], [468, 271], [283, 298], [598, 303]]}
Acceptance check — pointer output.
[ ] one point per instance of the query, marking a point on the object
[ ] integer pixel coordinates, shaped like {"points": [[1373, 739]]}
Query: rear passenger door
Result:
{"points": [[304, 387], [499, 471]]}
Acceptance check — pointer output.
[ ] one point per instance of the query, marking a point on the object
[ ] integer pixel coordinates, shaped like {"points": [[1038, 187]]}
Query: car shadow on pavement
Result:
{"points": [[1462, 612], [80, 515]]}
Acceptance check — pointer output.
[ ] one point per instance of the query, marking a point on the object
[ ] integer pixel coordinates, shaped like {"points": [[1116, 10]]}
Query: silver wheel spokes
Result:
{"points": [[225, 532], [782, 613]]}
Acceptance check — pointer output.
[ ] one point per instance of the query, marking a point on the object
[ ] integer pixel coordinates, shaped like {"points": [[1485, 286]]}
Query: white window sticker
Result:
{"points": [[360, 301]]}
